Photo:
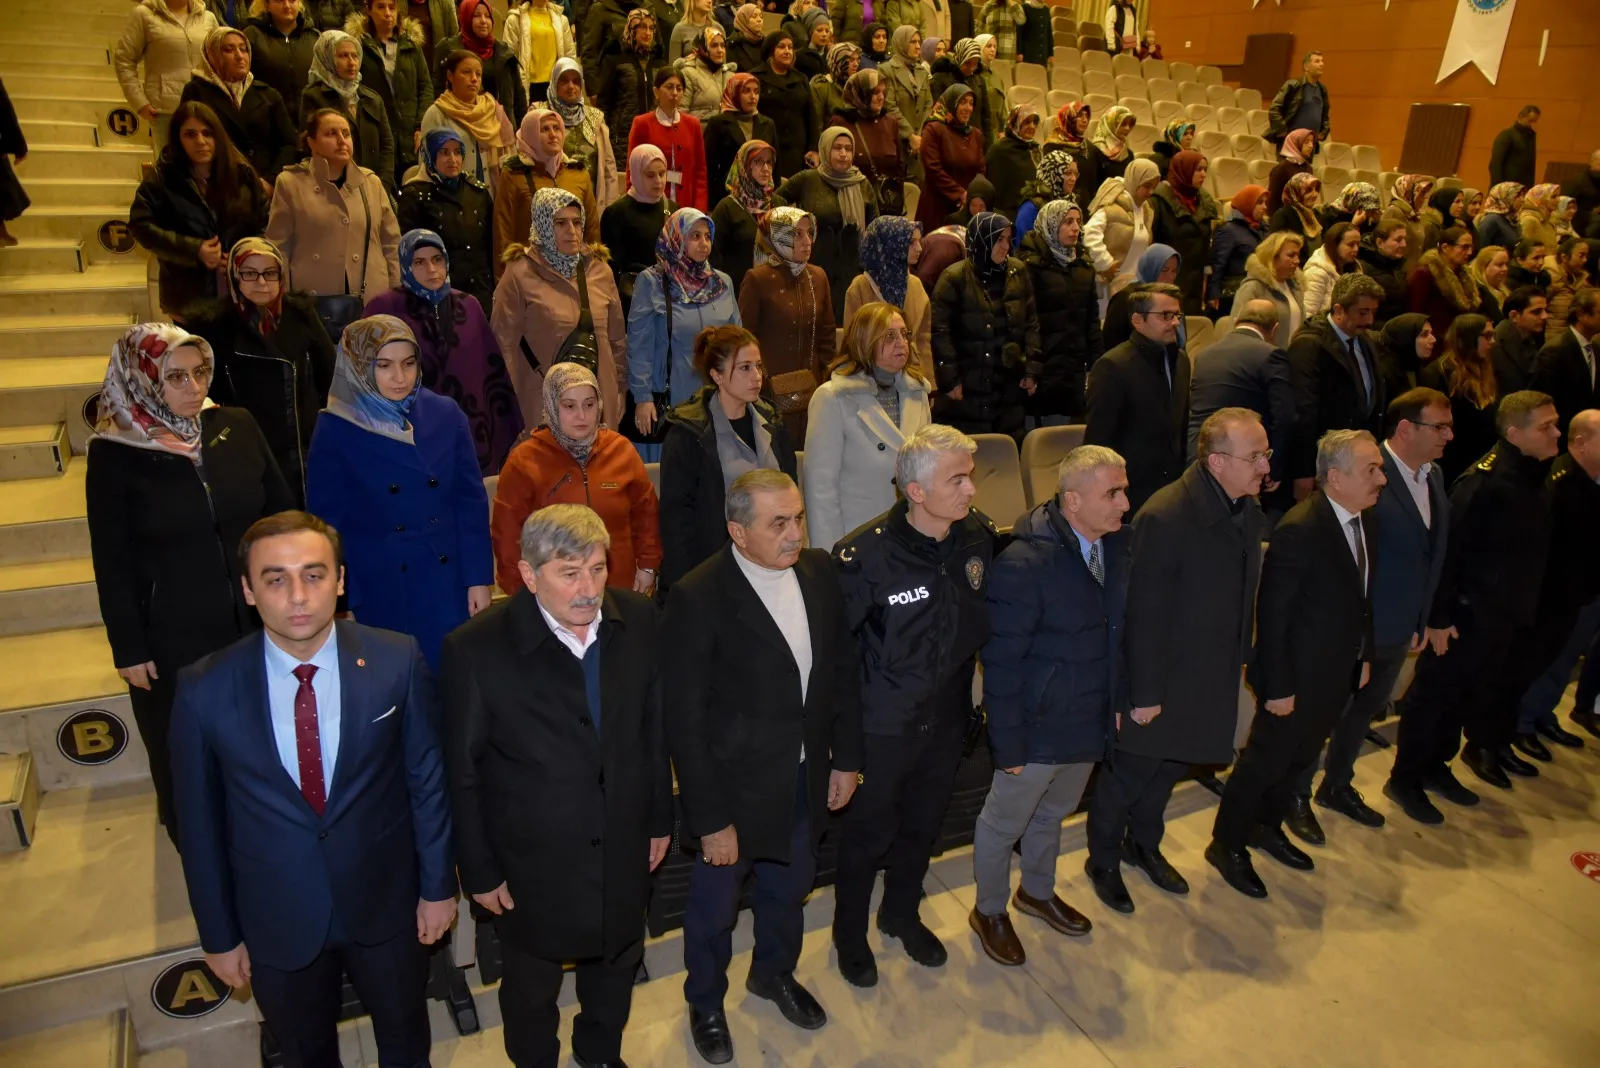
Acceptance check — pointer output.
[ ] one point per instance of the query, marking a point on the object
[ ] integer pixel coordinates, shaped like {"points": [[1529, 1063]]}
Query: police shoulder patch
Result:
{"points": [[975, 572]]}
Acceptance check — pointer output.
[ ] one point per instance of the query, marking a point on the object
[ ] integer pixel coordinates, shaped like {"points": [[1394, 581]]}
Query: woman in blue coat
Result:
{"points": [[394, 469]]}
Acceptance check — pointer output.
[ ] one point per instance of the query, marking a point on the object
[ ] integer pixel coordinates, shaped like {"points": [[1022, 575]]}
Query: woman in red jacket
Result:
{"points": [[572, 459], [678, 135], [952, 156]]}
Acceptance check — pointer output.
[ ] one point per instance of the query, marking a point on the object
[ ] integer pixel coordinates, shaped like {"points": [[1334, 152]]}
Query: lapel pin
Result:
{"points": [[360, 662]]}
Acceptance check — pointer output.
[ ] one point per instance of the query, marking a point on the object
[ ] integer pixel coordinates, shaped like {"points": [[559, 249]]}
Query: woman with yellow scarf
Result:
{"points": [[486, 132]]}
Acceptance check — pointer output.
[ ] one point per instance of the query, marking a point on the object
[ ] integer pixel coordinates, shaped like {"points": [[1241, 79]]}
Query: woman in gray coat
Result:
{"points": [[857, 421]]}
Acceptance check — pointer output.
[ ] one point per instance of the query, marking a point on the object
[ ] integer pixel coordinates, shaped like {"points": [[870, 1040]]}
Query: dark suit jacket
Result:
{"points": [[1562, 372], [1514, 354], [735, 720], [1244, 370], [1328, 393], [1572, 572], [1314, 615], [262, 867], [1132, 410], [545, 800], [1410, 554]]}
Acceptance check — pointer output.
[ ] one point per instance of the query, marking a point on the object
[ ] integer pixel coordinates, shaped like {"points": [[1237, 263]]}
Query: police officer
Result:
{"points": [[914, 581], [1493, 568]]}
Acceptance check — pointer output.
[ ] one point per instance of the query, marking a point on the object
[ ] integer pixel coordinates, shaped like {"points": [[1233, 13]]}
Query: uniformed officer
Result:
{"points": [[1494, 564], [914, 581]]}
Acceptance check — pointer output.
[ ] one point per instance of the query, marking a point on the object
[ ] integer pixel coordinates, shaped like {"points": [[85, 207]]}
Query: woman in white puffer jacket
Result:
{"points": [[167, 37]]}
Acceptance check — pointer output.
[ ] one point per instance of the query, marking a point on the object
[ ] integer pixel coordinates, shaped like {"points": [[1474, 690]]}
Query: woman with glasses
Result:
{"points": [[1465, 374], [172, 487], [273, 357]]}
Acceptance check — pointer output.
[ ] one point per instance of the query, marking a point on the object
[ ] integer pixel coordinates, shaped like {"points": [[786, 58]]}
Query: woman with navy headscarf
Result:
{"points": [[457, 354], [445, 199], [394, 470]]}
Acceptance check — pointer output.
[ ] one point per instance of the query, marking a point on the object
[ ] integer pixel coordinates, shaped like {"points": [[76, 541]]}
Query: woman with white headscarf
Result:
{"points": [[255, 116], [588, 136], [1120, 218], [335, 82]]}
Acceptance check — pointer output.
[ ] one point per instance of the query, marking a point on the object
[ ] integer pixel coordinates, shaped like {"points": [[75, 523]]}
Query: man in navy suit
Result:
{"points": [[314, 827]]}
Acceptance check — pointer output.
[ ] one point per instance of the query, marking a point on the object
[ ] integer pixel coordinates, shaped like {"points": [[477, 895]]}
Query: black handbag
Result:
{"points": [[977, 721], [339, 310], [582, 346], [891, 192], [658, 430]]}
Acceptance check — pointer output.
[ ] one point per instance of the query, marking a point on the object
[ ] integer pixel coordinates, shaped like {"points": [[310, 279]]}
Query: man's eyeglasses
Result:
{"points": [[250, 274], [1166, 316], [200, 376], [1441, 427], [1253, 459]]}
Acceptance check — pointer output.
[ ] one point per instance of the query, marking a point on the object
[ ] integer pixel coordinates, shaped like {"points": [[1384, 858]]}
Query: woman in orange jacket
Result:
{"points": [[572, 459]]}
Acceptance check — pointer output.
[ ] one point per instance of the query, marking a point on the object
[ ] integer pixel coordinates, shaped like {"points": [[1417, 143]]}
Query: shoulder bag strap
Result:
{"points": [[366, 207], [585, 316], [666, 298]]}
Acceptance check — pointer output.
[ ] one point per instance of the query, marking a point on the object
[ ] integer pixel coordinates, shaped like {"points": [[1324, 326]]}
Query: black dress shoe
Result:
{"points": [[920, 944], [1446, 785], [1486, 766], [1348, 801], [792, 999], [712, 1038], [1530, 745], [1275, 844], [1211, 782], [1237, 870], [1378, 740], [1587, 719], [857, 964], [581, 1063], [1558, 734], [1303, 822], [1507, 758], [1414, 803], [1109, 888], [1163, 874]]}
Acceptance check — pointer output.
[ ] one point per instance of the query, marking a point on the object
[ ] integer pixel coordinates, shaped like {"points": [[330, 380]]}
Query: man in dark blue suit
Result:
{"points": [[1247, 369], [313, 822]]}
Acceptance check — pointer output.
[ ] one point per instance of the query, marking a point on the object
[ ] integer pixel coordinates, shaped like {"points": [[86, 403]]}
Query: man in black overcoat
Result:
{"points": [[1333, 366], [763, 710], [559, 782], [1191, 607]]}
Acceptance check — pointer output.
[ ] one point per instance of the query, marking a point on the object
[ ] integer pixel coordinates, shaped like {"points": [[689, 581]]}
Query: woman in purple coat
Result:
{"points": [[456, 350]]}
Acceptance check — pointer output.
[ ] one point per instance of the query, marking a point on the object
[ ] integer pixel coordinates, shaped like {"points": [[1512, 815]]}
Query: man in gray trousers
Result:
{"points": [[1052, 681]]}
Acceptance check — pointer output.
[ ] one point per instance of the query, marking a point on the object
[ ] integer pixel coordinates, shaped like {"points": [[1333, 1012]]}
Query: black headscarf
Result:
{"points": [[985, 229]]}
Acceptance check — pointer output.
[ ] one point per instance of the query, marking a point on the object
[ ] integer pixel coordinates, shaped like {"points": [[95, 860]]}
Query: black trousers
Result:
{"points": [[1448, 692], [777, 897], [529, 988], [1262, 783], [302, 1007], [152, 711], [1130, 796], [1348, 734], [893, 820]]}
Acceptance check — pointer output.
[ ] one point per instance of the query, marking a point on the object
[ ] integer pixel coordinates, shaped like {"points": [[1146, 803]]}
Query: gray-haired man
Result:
{"points": [[1053, 684], [559, 782], [914, 582]]}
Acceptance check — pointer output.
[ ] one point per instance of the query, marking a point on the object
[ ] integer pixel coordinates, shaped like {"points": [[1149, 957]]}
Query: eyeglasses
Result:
{"points": [[200, 376], [1167, 316], [250, 274], [1253, 459], [1441, 427], [896, 335]]}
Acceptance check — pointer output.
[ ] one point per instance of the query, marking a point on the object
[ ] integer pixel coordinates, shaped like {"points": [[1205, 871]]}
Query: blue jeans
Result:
{"points": [[1539, 703]]}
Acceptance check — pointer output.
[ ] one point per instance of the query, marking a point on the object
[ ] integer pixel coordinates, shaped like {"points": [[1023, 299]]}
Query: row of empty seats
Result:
{"points": [[1124, 69]]}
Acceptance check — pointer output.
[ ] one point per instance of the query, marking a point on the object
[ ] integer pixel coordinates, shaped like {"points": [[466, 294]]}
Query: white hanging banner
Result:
{"points": [[1478, 35], [1257, 3]]}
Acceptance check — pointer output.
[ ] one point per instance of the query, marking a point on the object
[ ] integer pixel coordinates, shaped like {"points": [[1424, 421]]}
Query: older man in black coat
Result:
{"points": [[763, 707], [1191, 609], [559, 782]]}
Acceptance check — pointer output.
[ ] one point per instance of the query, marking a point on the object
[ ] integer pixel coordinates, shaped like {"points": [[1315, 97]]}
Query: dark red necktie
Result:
{"points": [[308, 740]]}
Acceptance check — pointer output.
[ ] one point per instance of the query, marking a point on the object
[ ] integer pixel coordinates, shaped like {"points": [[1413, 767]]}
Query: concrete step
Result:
{"points": [[119, 162], [19, 801], [43, 519], [52, 389], [33, 105], [73, 85], [34, 256], [102, 230], [60, 133], [33, 451], [61, 667], [93, 25], [88, 67], [50, 596], [120, 289], [83, 51], [82, 192], [37, 336], [102, 1042], [106, 7]]}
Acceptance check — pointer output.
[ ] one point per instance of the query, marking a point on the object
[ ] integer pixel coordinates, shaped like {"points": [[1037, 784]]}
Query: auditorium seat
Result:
{"points": [[1334, 179], [1141, 140], [1372, 178], [1002, 71], [1197, 328], [1140, 109], [1191, 93], [489, 485], [1181, 72], [1211, 144], [1366, 157], [1154, 68], [800, 467], [1065, 56], [1222, 328], [1220, 96], [1227, 175], [1099, 81], [1132, 85], [1098, 104], [1064, 39], [1248, 100], [1031, 74], [1336, 154], [1259, 121], [1204, 116], [1208, 76], [654, 471], [1124, 63], [1069, 79], [1386, 180], [1166, 111], [1161, 89], [1231, 121], [1043, 449], [1093, 59], [1047, 125], [1025, 96], [997, 472], [1056, 99], [1449, 181], [1260, 171]]}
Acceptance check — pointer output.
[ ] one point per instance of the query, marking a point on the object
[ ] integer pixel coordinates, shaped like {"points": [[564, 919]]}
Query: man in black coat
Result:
{"points": [[914, 581], [1333, 365], [1313, 652], [1514, 156], [1566, 367], [1139, 393], [763, 708], [559, 782], [1585, 189], [1191, 608], [1412, 517], [1301, 103], [1053, 687], [1494, 564], [1247, 369], [1518, 338]]}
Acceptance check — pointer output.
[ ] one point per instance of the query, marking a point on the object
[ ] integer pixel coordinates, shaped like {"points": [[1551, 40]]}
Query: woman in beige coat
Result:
{"points": [[168, 38], [537, 306], [328, 230], [1118, 231]]}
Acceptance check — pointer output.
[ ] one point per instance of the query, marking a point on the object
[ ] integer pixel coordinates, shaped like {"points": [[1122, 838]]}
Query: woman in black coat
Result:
{"points": [[171, 489], [1184, 217], [252, 112], [13, 200], [786, 100], [407, 91], [725, 132], [273, 357], [336, 83], [985, 334], [280, 55], [458, 208], [188, 230], [625, 81], [693, 482], [1013, 161], [1068, 305], [735, 220]]}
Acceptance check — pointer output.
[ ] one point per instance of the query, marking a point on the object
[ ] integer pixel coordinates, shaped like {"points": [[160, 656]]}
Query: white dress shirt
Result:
{"points": [[1416, 484], [282, 686], [577, 645], [1351, 535]]}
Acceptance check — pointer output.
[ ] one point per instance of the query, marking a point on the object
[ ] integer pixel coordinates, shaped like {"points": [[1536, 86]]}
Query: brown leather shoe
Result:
{"points": [[1057, 913], [998, 938]]}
